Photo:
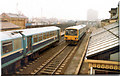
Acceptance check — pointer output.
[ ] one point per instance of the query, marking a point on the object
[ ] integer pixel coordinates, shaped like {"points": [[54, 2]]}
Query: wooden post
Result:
{"points": [[91, 70]]}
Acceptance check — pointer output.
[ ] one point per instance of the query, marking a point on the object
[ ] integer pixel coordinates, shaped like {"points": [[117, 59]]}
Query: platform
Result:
{"points": [[75, 63]]}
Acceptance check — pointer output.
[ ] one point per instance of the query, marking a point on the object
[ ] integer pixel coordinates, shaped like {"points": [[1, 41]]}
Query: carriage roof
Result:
{"points": [[6, 35], [76, 27]]}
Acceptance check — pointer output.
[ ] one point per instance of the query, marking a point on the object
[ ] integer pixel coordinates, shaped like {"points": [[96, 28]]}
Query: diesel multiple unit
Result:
{"points": [[73, 34], [19, 46]]}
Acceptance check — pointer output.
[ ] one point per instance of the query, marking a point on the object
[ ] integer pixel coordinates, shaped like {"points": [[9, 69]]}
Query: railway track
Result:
{"points": [[52, 64]]}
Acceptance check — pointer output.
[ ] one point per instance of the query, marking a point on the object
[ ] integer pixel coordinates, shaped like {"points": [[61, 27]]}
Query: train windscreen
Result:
{"points": [[72, 32]]}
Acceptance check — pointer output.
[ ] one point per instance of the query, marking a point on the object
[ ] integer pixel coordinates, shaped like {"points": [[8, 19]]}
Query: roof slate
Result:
{"points": [[8, 25], [102, 40], [15, 15]]}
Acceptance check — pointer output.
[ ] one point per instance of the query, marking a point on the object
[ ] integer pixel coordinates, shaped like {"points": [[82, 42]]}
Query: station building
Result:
{"points": [[16, 19], [103, 51]]}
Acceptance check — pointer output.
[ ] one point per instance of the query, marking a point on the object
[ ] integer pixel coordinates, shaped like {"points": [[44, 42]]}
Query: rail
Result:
{"points": [[47, 62]]}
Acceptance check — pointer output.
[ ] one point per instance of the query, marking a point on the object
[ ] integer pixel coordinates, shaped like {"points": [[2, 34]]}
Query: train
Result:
{"points": [[20, 46], [73, 34]]}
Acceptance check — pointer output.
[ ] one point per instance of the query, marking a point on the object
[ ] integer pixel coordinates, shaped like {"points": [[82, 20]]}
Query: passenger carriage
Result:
{"points": [[17, 47], [74, 33]]}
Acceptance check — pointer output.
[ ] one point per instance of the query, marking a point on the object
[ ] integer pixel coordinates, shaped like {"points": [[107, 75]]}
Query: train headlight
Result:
{"points": [[65, 37], [75, 38]]}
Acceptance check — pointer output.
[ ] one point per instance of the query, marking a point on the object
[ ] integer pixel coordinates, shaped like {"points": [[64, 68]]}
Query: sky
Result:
{"points": [[60, 9]]}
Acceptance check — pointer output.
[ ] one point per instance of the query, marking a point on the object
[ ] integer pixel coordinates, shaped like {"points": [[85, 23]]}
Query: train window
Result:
{"points": [[81, 30], [40, 37], [16, 45], [7, 46], [47, 34], [72, 32], [54, 32], [35, 38], [44, 35], [51, 34]]}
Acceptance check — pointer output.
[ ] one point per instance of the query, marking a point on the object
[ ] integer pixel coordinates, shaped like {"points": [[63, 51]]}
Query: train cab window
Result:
{"points": [[16, 45], [72, 32], [40, 37], [47, 34], [35, 38], [7, 46]]}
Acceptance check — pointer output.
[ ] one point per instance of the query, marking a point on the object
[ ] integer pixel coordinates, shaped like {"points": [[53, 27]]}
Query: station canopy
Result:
{"points": [[103, 39]]}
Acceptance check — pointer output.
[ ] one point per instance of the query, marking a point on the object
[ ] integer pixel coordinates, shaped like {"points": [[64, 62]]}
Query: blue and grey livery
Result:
{"points": [[18, 44]]}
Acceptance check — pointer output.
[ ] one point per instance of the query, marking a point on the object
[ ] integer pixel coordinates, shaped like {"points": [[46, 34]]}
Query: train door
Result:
{"points": [[58, 33], [29, 43]]}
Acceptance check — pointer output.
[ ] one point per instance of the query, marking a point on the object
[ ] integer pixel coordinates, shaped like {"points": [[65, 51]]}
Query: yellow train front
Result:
{"points": [[73, 34]]}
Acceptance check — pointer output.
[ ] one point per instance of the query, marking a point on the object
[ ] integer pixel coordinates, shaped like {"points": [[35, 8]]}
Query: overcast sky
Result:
{"points": [[61, 9]]}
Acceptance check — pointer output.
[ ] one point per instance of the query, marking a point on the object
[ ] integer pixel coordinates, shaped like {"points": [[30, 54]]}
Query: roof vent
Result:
{"points": [[16, 32]]}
